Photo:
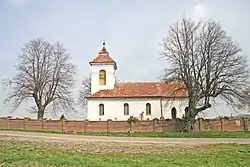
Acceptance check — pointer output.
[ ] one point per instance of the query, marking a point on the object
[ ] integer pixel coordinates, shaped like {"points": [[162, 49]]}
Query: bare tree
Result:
{"points": [[165, 77], [84, 92], [44, 75], [209, 63]]}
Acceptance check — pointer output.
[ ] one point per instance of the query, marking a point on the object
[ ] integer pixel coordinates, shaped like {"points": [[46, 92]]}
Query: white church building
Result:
{"points": [[119, 101]]}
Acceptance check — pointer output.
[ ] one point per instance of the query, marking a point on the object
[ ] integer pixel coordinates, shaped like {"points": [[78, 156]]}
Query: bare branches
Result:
{"points": [[208, 61], [44, 75], [84, 92]]}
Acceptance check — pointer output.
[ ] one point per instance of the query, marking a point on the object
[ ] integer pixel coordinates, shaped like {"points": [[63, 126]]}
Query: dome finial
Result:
{"points": [[103, 47]]}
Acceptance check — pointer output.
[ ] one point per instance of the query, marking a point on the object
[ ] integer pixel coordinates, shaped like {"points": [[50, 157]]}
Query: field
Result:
{"points": [[197, 134], [19, 153]]}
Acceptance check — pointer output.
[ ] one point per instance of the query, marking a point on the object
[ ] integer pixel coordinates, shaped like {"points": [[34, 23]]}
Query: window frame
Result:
{"points": [[102, 77], [148, 109], [173, 112], [126, 109], [101, 109]]}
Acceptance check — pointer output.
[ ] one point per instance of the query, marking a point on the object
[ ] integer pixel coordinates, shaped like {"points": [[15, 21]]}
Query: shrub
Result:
{"points": [[132, 119], [62, 117], [226, 117]]}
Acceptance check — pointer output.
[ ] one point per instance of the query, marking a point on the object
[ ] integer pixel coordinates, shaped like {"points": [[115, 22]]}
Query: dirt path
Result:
{"points": [[145, 140]]}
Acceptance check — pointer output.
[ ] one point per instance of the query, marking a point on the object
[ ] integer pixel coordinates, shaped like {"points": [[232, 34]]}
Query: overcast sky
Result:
{"points": [[132, 30]]}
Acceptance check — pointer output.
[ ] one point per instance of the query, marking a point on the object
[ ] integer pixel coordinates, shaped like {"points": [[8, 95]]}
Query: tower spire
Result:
{"points": [[103, 46], [103, 57]]}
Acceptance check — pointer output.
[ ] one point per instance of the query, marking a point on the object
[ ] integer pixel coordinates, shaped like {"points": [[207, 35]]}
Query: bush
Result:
{"points": [[226, 117], [62, 117], [132, 119]]}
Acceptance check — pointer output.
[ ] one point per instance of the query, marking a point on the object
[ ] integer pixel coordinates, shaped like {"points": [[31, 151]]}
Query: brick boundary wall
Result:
{"points": [[155, 125]]}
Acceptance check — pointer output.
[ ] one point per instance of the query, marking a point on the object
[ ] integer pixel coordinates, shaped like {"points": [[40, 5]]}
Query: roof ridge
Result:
{"points": [[140, 82], [142, 89], [150, 82]]}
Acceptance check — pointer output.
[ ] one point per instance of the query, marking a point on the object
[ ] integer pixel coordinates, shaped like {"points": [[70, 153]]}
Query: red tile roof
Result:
{"points": [[143, 89], [103, 57]]}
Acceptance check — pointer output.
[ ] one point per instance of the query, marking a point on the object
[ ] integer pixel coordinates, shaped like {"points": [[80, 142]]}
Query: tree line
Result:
{"points": [[200, 54]]}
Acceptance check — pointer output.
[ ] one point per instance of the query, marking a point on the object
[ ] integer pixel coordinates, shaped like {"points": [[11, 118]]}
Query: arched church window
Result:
{"points": [[173, 113], [102, 77], [101, 109], [126, 109], [148, 109]]}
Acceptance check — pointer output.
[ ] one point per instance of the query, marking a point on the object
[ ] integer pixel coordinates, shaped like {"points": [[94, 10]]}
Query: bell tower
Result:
{"points": [[103, 69]]}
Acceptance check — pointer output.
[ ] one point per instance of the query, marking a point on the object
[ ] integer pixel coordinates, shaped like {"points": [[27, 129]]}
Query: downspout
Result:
{"points": [[161, 107]]}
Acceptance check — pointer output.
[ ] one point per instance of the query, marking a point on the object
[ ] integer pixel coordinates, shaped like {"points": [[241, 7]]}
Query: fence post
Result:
{"points": [[62, 122], [8, 122], [245, 124], [107, 130], [154, 124], [43, 123], [86, 124], [200, 125], [222, 124], [25, 123], [108, 125]]}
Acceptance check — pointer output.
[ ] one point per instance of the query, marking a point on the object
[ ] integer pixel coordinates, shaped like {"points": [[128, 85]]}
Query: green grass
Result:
{"points": [[23, 154], [198, 134]]}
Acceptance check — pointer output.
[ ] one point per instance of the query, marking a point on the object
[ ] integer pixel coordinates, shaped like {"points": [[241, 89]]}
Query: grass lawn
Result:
{"points": [[27, 153], [198, 134]]}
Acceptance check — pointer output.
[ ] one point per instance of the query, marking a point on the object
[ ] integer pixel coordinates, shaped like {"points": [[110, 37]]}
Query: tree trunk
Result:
{"points": [[188, 124], [131, 127], [189, 118], [40, 113]]}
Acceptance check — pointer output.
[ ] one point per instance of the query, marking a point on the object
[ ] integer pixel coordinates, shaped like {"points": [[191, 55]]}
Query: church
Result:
{"points": [[119, 101]]}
